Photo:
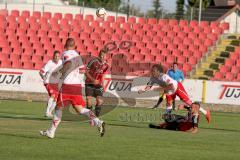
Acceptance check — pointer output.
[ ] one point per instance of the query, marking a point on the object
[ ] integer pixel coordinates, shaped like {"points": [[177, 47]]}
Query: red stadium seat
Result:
{"points": [[183, 23], [25, 14], [218, 76], [235, 70], [120, 19], [26, 58], [187, 67], [204, 24], [181, 60], [163, 22], [193, 23], [138, 57], [131, 20], [229, 76], [57, 16], [229, 62], [4, 12], [47, 15], [152, 21], [4, 57], [89, 17], [173, 22], [79, 16], [28, 65], [224, 26], [111, 19], [192, 60], [142, 20], [68, 16], [16, 64], [15, 13], [5, 64], [234, 56], [214, 24], [36, 14]]}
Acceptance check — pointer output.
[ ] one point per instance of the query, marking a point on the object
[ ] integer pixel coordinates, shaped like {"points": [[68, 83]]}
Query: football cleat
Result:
{"points": [[208, 116], [47, 133], [101, 128]]}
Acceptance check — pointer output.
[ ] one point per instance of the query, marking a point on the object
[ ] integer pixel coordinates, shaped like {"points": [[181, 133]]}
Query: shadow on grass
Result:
{"points": [[37, 136], [221, 129], [23, 117], [134, 125]]}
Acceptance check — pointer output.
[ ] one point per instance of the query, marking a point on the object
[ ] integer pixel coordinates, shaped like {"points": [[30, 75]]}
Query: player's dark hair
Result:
{"points": [[158, 67], [175, 63], [69, 43], [56, 52]]}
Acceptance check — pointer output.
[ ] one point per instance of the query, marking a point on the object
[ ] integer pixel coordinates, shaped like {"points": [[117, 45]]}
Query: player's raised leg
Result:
{"points": [[182, 94], [96, 121]]}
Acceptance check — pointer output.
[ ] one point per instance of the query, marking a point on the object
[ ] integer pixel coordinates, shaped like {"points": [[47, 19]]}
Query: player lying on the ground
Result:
{"points": [[95, 71], [171, 88], [189, 122], [50, 83], [70, 92]]}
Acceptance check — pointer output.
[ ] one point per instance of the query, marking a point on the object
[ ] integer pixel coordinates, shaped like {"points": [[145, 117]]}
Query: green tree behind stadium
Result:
{"points": [[179, 9]]}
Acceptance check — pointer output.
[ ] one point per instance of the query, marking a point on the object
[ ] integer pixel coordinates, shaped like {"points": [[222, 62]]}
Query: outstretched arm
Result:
{"points": [[147, 88]]}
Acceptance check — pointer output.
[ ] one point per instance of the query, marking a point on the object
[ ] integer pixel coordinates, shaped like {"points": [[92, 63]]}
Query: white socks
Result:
{"points": [[168, 109], [56, 120], [203, 110], [91, 116], [54, 103], [50, 106]]}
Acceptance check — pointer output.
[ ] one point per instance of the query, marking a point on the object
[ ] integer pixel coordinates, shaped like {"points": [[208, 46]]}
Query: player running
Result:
{"points": [[94, 81], [51, 85], [189, 122], [171, 88], [71, 90]]}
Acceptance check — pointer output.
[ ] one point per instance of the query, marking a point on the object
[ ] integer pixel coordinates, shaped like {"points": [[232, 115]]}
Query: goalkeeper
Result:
{"points": [[189, 122]]}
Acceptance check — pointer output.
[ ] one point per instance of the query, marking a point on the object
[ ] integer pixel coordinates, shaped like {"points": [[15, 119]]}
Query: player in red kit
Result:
{"points": [[50, 82], [70, 90], [94, 80]]}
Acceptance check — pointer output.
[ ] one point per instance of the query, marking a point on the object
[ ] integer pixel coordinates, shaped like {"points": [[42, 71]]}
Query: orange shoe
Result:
{"points": [[208, 116]]}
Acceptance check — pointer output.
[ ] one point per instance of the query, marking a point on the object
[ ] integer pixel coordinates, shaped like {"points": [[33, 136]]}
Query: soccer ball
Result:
{"points": [[101, 12]]}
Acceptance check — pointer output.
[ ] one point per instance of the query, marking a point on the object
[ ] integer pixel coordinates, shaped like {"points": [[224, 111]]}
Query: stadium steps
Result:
{"points": [[217, 57]]}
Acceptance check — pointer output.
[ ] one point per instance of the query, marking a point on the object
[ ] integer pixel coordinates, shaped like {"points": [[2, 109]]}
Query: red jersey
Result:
{"points": [[97, 69]]}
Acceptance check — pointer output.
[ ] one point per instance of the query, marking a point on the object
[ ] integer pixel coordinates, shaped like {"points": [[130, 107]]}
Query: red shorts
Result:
{"points": [[70, 94], [181, 93], [52, 90]]}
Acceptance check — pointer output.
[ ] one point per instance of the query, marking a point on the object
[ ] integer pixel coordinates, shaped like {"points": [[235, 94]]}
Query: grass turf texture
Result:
{"points": [[128, 136]]}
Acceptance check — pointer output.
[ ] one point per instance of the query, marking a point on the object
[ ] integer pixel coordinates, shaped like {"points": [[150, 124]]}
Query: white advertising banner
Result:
{"points": [[126, 86], [21, 80], [223, 92]]}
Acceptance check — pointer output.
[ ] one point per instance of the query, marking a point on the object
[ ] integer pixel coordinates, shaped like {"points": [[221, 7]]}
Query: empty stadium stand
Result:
{"points": [[27, 40]]}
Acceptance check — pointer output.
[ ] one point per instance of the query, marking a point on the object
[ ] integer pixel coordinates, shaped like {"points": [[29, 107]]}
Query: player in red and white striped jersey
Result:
{"points": [[50, 82], [72, 79]]}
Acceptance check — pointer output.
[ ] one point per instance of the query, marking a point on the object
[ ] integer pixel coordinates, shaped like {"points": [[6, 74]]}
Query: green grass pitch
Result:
{"points": [[127, 138]]}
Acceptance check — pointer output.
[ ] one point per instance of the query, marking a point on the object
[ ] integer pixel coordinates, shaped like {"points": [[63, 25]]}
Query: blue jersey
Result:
{"points": [[176, 75]]}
